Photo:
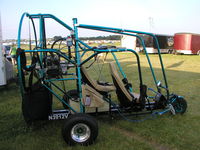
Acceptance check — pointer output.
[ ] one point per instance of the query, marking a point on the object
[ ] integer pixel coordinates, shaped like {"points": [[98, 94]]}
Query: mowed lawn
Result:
{"points": [[167, 132]]}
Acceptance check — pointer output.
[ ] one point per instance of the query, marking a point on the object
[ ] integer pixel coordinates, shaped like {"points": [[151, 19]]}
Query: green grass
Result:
{"points": [[180, 132]]}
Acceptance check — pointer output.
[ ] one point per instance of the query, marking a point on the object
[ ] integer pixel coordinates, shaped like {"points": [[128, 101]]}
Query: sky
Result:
{"points": [[157, 16]]}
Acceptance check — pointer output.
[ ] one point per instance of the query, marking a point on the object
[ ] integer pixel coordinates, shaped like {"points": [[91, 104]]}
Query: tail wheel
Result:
{"points": [[80, 129], [180, 105], [170, 51]]}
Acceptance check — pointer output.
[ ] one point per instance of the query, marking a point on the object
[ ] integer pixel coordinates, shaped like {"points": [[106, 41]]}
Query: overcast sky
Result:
{"points": [[158, 16]]}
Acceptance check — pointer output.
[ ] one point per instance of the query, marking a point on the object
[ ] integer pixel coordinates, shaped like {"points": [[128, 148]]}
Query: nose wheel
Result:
{"points": [[80, 129], [180, 105]]}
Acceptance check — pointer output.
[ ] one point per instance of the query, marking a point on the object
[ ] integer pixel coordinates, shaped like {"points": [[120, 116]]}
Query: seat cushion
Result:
{"points": [[94, 84]]}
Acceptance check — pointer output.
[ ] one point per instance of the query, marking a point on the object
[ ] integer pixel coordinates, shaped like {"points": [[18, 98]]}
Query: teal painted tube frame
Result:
{"points": [[97, 51], [121, 70], [127, 32], [58, 97], [77, 61]]}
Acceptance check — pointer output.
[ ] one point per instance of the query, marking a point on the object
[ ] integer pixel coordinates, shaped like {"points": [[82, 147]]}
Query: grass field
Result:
{"points": [[167, 132]]}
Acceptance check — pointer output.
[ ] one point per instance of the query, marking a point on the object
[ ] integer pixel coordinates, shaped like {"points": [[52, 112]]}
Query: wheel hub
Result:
{"points": [[80, 132]]}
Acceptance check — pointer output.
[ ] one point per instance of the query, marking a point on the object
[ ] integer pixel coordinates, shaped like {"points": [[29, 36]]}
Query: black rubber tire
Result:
{"points": [[73, 94], [170, 51], [75, 119], [180, 106]]}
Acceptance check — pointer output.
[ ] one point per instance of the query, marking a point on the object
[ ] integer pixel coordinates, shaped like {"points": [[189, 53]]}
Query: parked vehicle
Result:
{"points": [[187, 43], [6, 50], [82, 95], [6, 71], [165, 42]]}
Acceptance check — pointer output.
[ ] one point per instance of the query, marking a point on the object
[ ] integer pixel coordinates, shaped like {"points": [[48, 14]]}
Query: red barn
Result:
{"points": [[187, 43]]}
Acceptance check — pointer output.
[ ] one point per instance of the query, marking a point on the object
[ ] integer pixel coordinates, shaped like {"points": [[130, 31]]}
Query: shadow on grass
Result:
{"points": [[14, 125], [9, 86], [175, 65]]}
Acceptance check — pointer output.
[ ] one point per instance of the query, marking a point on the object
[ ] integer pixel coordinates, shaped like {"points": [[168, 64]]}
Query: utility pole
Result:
{"points": [[151, 24]]}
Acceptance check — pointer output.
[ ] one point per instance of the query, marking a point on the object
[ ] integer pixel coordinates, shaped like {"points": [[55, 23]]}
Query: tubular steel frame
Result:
{"points": [[42, 50]]}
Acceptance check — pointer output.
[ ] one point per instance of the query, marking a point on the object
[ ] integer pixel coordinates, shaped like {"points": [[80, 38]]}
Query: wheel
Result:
{"points": [[198, 53], [170, 51], [174, 52], [70, 95], [180, 105], [80, 129]]}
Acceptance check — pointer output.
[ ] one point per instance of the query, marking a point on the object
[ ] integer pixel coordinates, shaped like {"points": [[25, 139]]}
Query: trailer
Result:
{"points": [[187, 43], [60, 72], [165, 42]]}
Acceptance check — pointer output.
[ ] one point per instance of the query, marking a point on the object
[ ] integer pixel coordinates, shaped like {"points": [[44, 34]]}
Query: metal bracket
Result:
{"points": [[171, 107]]}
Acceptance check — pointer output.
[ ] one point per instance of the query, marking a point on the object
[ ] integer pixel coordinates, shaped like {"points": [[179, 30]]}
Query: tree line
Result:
{"points": [[110, 37]]}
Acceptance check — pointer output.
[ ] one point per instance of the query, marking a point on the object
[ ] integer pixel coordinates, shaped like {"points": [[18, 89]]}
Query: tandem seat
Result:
{"points": [[101, 88], [125, 97]]}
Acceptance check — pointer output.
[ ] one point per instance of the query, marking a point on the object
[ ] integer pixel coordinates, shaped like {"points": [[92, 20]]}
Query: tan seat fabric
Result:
{"points": [[95, 84], [115, 74]]}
